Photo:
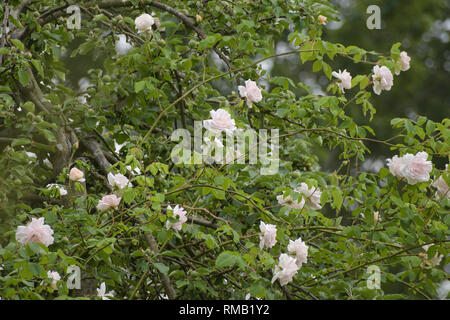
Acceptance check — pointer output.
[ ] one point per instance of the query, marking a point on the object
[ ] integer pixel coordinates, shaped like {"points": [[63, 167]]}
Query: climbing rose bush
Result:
{"points": [[88, 181]]}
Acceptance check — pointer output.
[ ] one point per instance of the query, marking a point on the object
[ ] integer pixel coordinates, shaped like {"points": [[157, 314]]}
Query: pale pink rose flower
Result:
{"points": [[221, 121], [300, 249], [101, 292], [405, 60], [76, 175], [345, 79], [312, 195], [290, 202], [382, 79], [144, 22], [441, 186], [118, 181], [180, 213], [285, 270], [322, 20], [396, 166], [35, 231], [418, 169], [107, 202], [54, 275], [251, 92], [269, 235]]}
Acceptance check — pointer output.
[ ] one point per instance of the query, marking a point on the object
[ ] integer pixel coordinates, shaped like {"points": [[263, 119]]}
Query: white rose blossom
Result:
{"points": [[251, 92], [144, 23], [268, 238], [62, 191], [290, 202], [76, 174], [118, 181], [101, 292], [180, 213], [405, 60], [54, 275], [107, 202], [285, 270], [345, 79], [221, 121], [300, 249], [312, 195], [35, 231], [382, 79], [413, 168]]}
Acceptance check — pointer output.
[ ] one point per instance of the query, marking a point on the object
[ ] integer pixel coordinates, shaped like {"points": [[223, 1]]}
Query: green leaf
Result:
{"points": [[20, 142], [24, 78], [337, 198], [161, 267], [18, 44], [37, 64], [225, 259], [139, 86], [29, 106]]}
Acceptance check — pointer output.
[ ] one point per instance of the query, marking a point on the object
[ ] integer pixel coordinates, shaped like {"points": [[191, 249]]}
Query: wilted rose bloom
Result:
{"points": [[322, 20], [312, 195], [300, 249], [433, 261], [61, 189], [285, 270], [156, 21], [101, 292], [269, 235], [251, 92], [376, 216], [76, 175], [35, 231], [442, 187], [122, 46], [290, 202], [382, 79], [221, 121], [180, 213], [109, 201], [118, 181], [345, 79], [144, 22], [55, 277]]}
